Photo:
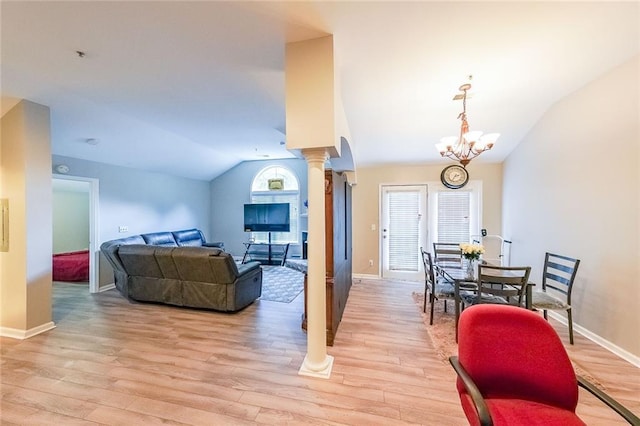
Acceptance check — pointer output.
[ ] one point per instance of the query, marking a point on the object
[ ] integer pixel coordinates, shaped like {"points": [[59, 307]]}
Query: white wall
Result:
{"points": [[572, 187], [70, 221]]}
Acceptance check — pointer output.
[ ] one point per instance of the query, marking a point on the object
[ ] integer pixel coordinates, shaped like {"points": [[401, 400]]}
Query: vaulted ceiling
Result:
{"points": [[193, 88]]}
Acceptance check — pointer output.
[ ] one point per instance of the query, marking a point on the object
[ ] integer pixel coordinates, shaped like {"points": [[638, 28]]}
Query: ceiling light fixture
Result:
{"points": [[468, 145], [92, 141]]}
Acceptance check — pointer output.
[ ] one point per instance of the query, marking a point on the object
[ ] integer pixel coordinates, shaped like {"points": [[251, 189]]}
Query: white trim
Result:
{"points": [[379, 278], [106, 287], [322, 372], [94, 231], [15, 333], [365, 276], [617, 350]]}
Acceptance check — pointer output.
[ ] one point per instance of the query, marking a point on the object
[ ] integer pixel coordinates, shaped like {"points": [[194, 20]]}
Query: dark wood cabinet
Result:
{"points": [[338, 254]]}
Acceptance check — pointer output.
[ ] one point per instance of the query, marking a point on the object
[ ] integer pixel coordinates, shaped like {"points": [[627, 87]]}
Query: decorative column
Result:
{"points": [[316, 363]]}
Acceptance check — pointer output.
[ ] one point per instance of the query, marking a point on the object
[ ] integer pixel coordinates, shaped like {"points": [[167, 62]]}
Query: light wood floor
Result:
{"points": [[110, 361]]}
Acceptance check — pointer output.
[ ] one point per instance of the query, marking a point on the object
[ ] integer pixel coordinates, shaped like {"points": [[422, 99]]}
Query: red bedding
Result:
{"points": [[72, 266]]}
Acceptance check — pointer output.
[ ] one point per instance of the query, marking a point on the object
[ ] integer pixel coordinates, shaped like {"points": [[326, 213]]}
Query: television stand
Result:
{"points": [[266, 253]]}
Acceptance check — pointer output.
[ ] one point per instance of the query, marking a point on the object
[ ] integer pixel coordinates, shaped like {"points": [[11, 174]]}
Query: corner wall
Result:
{"points": [[572, 187], [25, 169]]}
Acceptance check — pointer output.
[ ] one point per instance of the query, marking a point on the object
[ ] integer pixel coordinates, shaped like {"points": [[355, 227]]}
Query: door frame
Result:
{"points": [[94, 252], [424, 225]]}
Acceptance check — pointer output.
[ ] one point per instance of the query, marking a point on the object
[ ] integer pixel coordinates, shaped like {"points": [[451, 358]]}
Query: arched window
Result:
{"points": [[277, 184]]}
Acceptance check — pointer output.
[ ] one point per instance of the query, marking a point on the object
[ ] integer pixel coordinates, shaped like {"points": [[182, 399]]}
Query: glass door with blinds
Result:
{"points": [[403, 231], [455, 215], [454, 225]]}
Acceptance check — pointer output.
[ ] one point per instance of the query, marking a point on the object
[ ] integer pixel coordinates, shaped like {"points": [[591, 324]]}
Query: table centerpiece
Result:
{"points": [[471, 252]]}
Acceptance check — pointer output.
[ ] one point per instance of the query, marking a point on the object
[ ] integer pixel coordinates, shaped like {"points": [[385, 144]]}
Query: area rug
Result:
{"points": [[442, 333], [281, 284]]}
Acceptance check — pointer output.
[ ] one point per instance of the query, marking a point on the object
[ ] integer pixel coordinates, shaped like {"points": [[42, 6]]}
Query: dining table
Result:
{"points": [[456, 274]]}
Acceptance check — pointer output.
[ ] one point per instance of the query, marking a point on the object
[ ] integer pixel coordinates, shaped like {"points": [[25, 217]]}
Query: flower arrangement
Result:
{"points": [[471, 251]]}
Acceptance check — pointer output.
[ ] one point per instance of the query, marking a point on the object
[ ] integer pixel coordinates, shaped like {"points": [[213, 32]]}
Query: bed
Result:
{"points": [[71, 266]]}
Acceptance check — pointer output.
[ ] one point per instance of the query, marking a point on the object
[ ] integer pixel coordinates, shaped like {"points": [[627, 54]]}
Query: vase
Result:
{"points": [[471, 269]]}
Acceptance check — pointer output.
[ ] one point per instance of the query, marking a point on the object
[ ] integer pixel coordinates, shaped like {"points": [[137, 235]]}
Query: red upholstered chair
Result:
{"points": [[513, 370]]}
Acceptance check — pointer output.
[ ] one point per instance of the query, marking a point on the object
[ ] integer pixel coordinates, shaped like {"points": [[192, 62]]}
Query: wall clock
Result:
{"points": [[454, 177]]}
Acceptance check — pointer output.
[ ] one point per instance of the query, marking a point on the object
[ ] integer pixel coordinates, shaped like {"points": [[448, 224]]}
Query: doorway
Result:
{"points": [[404, 230], [90, 186]]}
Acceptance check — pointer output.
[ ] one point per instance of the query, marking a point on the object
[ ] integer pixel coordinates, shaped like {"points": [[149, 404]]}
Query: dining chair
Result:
{"points": [[449, 254], [434, 285], [503, 285], [514, 370], [558, 275]]}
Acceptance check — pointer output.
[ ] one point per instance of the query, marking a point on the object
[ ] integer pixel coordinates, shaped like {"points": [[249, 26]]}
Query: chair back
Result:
{"points": [[429, 274], [502, 281], [447, 253], [512, 352], [559, 273]]}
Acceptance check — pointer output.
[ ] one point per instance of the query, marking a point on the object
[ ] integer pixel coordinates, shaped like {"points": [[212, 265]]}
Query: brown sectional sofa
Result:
{"points": [[154, 268]]}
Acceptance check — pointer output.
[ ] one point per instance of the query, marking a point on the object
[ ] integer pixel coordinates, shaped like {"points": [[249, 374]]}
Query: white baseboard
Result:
{"points": [[617, 350], [15, 333], [365, 277], [106, 288]]}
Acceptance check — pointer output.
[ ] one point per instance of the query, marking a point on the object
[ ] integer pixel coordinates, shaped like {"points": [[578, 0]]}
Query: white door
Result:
{"points": [[404, 231]]}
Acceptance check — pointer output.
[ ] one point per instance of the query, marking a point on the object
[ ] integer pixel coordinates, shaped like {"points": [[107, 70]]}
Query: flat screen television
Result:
{"points": [[266, 217]]}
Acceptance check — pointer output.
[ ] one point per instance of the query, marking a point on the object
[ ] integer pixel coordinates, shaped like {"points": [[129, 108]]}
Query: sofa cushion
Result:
{"points": [[160, 239], [139, 260], [189, 237]]}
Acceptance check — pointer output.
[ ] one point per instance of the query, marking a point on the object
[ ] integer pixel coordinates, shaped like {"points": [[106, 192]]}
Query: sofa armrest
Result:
{"points": [[217, 244], [248, 267]]}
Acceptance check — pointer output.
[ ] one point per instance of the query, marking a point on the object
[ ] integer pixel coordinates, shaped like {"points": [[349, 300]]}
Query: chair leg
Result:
{"points": [[424, 307], [570, 321], [445, 305], [432, 305], [544, 314]]}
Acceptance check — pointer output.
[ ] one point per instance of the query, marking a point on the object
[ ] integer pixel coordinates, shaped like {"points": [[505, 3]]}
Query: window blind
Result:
{"points": [[453, 216], [404, 231]]}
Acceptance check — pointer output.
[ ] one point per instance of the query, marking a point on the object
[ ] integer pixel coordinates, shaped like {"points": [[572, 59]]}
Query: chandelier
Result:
{"points": [[468, 145]]}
